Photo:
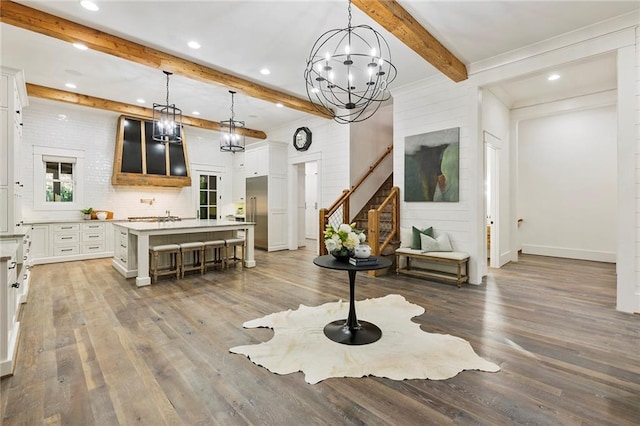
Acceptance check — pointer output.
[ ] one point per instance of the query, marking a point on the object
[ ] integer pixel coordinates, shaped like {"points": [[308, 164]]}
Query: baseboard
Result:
{"points": [[569, 253]]}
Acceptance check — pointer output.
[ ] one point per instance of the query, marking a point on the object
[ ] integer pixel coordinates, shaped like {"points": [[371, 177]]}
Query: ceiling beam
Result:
{"points": [[35, 20], [395, 19], [127, 109]]}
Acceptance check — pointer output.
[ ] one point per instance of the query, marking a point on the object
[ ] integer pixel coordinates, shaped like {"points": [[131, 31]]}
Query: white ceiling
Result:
{"points": [[241, 37]]}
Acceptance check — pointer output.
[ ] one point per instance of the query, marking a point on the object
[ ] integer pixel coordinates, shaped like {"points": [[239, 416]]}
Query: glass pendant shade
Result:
{"points": [[348, 73], [230, 139], [167, 120]]}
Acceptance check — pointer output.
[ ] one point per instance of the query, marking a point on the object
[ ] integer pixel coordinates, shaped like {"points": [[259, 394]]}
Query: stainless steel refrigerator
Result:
{"points": [[257, 209]]}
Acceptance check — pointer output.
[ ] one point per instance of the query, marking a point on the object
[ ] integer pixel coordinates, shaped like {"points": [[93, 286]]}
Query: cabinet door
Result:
{"points": [[39, 241], [257, 162], [4, 209], [4, 91], [4, 148]]}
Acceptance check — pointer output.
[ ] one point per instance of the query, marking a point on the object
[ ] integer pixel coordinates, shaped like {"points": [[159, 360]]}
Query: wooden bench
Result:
{"points": [[456, 260]]}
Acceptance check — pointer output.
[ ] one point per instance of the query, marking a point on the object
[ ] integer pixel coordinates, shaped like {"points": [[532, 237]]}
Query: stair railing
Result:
{"points": [[373, 233], [338, 212]]}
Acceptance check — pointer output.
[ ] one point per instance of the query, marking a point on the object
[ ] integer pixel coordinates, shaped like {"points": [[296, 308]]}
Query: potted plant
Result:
{"points": [[87, 212]]}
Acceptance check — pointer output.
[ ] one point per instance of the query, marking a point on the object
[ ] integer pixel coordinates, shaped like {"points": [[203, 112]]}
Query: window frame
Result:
{"points": [[42, 155]]}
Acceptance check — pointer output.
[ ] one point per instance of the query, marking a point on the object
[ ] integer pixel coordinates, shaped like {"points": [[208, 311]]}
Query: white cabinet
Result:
{"points": [[13, 96], [14, 288], [238, 188], [125, 259], [61, 242], [9, 305], [256, 161], [40, 241]]}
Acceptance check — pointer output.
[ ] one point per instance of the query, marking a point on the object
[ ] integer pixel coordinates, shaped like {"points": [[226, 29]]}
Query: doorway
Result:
{"points": [[491, 196]]}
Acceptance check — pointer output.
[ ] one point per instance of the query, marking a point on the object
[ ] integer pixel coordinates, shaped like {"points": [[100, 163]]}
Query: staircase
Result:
{"points": [[379, 218], [385, 225]]}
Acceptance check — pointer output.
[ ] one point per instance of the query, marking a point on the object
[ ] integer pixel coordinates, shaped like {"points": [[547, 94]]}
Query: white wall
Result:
{"points": [[369, 140], [567, 187], [329, 146], [94, 131], [428, 106]]}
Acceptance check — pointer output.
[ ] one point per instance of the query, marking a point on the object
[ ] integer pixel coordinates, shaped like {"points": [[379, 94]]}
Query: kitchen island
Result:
{"points": [[132, 240]]}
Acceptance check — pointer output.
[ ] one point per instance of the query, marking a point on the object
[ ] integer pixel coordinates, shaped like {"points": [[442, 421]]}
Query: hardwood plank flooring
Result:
{"points": [[96, 350]]}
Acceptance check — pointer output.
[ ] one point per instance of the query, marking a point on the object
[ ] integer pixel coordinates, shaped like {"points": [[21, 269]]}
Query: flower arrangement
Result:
{"points": [[342, 240]]}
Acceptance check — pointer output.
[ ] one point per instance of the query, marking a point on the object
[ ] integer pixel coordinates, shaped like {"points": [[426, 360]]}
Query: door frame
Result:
{"points": [[492, 183], [296, 171]]}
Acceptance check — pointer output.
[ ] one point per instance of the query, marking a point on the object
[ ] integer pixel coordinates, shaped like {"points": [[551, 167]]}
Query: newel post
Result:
{"points": [[373, 233], [321, 225]]}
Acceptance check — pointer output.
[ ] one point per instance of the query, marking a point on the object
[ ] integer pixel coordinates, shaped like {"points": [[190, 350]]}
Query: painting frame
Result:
{"points": [[432, 166]]}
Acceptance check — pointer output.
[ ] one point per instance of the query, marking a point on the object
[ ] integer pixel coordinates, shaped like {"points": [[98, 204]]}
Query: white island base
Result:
{"points": [[132, 240]]}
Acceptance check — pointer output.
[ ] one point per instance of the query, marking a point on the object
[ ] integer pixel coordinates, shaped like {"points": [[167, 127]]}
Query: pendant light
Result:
{"points": [[348, 72], [230, 139], [167, 120]]}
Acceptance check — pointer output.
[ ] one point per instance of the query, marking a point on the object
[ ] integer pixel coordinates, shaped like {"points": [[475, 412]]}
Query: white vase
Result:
{"points": [[362, 251]]}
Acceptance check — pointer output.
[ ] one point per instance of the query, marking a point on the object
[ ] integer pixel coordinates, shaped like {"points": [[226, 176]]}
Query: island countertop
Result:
{"points": [[181, 224], [137, 236]]}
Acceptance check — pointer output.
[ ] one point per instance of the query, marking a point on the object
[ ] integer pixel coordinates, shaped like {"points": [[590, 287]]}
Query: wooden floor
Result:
{"points": [[97, 350]]}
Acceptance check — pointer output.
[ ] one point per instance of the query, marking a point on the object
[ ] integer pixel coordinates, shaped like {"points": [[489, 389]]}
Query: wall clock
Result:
{"points": [[302, 139]]}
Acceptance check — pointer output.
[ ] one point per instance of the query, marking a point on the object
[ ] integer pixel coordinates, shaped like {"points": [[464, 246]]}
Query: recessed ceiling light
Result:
{"points": [[194, 44], [62, 117], [89, 5], [70, 85], [279, 105], [80, 46], [553, 77], [140, 100], [196, 113], [265, 71]]}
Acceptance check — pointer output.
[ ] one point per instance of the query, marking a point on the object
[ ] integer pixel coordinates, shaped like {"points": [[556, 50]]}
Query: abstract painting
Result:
{"points": [[432, 166]]}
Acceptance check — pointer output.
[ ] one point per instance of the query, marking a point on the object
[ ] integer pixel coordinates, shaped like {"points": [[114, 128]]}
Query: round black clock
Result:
{"points": [[302, 139]]}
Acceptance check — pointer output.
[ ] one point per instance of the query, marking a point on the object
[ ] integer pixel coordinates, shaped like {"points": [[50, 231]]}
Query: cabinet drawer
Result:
{"points": [[93, 226], [123, 240], [65, 238], [93, 247], [92, 236], [66, 250], [67, 227]]}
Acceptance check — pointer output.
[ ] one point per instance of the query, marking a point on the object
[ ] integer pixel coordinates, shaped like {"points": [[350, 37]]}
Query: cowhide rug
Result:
{"points": [[403, 352]]}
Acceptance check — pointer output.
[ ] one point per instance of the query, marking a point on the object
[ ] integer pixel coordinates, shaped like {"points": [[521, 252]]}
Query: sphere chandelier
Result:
{"points": [[348, 73]]}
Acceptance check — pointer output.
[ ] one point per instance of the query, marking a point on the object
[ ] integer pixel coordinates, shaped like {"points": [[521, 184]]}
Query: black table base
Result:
{"points": [[365, 333], [351, 331]]}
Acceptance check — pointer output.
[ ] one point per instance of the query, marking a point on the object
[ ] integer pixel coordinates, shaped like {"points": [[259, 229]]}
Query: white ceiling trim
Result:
{"points": [[556, 57], [628, 21]]}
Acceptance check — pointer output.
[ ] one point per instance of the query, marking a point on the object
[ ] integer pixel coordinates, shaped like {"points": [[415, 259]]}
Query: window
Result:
{"points": [[57, 178], [208, 204], [58, 182]]}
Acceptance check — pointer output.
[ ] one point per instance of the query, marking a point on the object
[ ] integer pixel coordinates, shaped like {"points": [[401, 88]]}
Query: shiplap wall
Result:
{"points": [[428, 106]]}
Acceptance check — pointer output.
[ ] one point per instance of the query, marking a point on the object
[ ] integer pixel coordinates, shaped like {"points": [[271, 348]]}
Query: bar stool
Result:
{"points": [[197, 248], [233, 244], [173, 250], [218, 254]]}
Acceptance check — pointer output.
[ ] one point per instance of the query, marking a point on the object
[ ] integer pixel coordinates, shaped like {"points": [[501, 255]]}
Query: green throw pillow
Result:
{"points": [[415, 241]]}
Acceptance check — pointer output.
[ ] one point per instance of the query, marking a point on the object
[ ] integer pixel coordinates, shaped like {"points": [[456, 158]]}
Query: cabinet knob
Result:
{"points": [[21, 124], [13, 265], [15, 285], [17, 111]]}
